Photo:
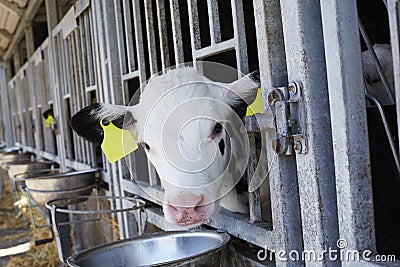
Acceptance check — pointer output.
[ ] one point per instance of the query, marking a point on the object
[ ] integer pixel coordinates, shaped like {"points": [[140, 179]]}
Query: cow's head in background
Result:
{"points": [[192, 134]]}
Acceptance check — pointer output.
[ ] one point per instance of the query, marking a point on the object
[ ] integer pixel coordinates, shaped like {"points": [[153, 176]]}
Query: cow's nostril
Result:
{"points": [[175, 212], [201, 209]]}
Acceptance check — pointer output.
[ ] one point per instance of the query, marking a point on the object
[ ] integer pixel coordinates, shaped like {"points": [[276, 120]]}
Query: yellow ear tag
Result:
{"points": [[117, 143], [49, 121], [257, 106]]}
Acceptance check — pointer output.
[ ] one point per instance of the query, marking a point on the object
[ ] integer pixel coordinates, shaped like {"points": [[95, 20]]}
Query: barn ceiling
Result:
{"points": [[11, 12]]}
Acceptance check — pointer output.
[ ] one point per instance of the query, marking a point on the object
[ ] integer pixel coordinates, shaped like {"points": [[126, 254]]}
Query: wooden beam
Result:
{"points": [[17, 60], [30, 44], [52, 17], [13, 7], [6, 34], [31, 10]]}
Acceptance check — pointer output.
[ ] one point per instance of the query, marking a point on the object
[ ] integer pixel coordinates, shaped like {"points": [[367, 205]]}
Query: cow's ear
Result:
{"points": [[48, 113], [86, 122], [243, 92]]}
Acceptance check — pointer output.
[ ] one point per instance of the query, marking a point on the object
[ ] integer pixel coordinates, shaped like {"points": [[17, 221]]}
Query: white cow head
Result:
{"points": [[192, 135]]}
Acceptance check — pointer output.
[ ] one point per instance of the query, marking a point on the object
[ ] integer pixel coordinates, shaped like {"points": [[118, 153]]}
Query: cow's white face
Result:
{"points": [[187, 125]]}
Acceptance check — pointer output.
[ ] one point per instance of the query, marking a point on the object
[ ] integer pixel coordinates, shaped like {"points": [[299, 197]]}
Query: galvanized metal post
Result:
{"points": [[305, 58], [393, 7], [51, 12], [32, 89], [110, 83], [282, 177], [5, 104], [349, 124]]}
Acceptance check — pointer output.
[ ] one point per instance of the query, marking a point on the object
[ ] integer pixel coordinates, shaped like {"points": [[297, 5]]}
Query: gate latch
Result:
{"points": [[287, 107]]}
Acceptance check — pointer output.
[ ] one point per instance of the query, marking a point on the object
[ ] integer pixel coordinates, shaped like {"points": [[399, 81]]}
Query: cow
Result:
{"points": [[192, 132], [373, 82]]}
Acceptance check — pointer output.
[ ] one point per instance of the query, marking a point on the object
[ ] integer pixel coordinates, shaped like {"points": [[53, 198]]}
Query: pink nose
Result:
{"points": [[185, 215]]}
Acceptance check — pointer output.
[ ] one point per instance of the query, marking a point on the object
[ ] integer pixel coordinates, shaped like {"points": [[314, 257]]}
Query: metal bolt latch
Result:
{"points": [[287, 105]]}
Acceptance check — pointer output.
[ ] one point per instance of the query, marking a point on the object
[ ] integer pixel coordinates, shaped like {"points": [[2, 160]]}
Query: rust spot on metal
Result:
{"points": [[272, 97], [276, 145]]}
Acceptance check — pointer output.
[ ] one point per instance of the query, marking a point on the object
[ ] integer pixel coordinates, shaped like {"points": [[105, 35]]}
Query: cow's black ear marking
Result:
{"points": [[243, 92], [85, 124], [47, 113], [255, 76]]}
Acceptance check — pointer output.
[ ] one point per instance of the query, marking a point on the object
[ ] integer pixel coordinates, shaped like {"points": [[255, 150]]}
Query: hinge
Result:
{"points": [[289, 117]]}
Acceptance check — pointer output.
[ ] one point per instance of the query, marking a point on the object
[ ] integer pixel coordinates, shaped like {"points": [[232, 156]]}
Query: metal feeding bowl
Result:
{"points": [[46, 185], [14, 155], [27, 166], [192, 248]]}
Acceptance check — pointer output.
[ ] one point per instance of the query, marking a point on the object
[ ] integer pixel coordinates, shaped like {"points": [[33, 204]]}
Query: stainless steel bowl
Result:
{"points": [[14, 156], [41, 197], [46, 185], [191, 248], [27, 166]]}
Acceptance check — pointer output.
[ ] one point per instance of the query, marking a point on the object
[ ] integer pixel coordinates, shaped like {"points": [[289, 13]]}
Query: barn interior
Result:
{"points": [[333, 175]]}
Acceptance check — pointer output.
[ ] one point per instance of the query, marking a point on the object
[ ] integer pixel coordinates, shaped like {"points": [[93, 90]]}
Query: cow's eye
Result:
{"points": [[146, 146], [217, 129]]}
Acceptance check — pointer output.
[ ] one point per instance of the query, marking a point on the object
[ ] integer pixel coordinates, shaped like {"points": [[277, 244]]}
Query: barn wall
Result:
{"points": [[104, 51]]}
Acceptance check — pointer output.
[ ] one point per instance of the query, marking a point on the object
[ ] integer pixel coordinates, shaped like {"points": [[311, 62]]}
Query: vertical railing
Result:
{"points": [[285, 206], [304, 46], [5, 104], [350, 139]]}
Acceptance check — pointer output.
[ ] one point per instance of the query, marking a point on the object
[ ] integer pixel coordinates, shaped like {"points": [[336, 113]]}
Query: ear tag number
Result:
{"points": [[256, 106], [49, 121], [117, 143]]}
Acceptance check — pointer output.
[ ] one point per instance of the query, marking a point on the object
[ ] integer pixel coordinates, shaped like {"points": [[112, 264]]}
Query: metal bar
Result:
{"points": [[128, 37], [375, 59], [76, 89], [194, 25], [5, 103], [285, 206], [130, 75], [62, 233], [20, 106], [120, 9], [387, 130], [214, 49], [87, 27], [111, 74], [394, 23], [305, 58], [162, 31], [254, 197], [349, 124], [141, 69], [33, 88], [139, 40], [177, 31], [213, 17], [54, 76], [151, 39], [82, 56], [239, 37]]}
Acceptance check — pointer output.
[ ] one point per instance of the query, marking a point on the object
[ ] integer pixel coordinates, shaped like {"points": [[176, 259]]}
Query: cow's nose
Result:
{"points": [[186, 215]]}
